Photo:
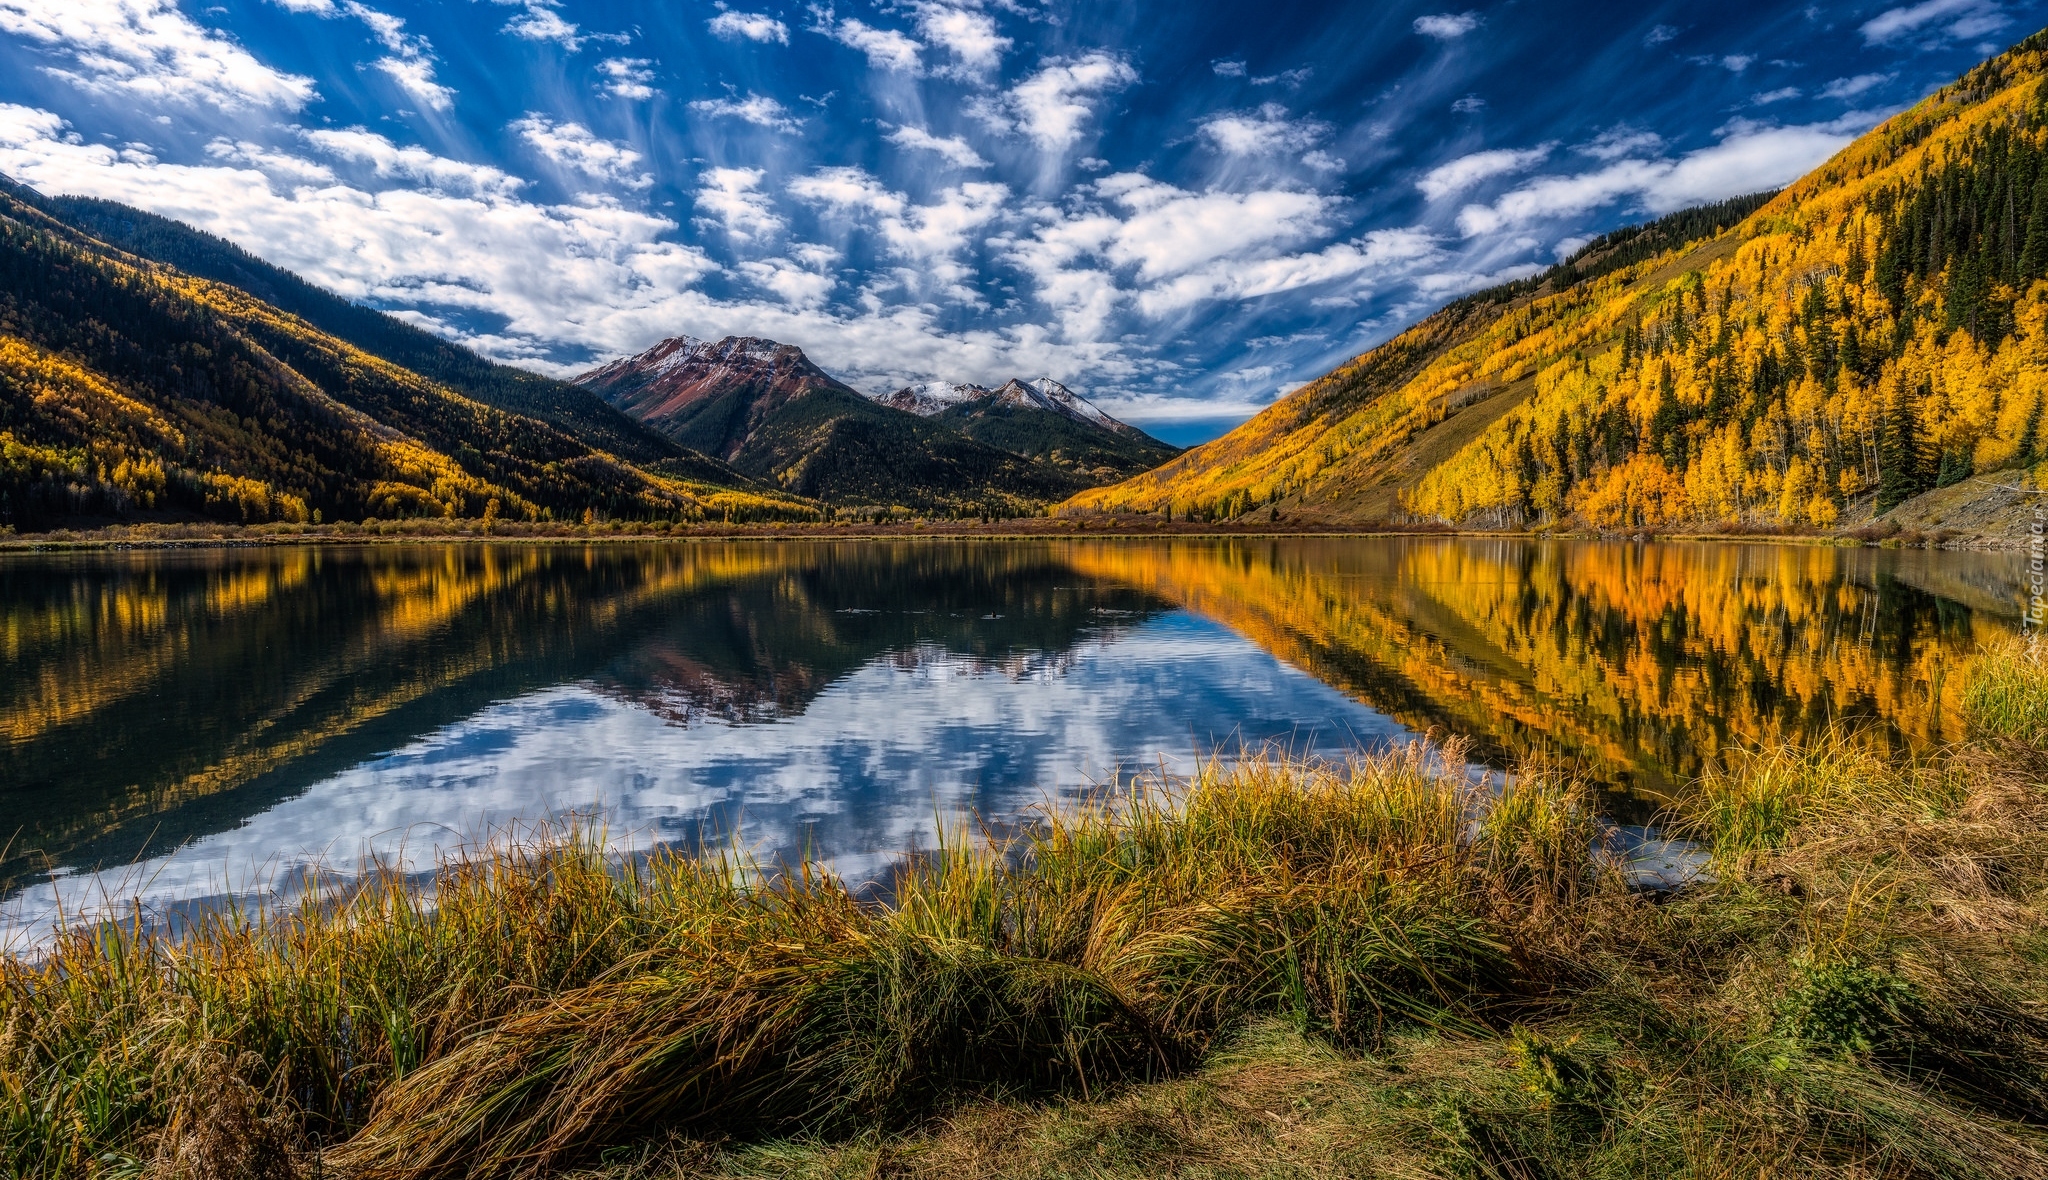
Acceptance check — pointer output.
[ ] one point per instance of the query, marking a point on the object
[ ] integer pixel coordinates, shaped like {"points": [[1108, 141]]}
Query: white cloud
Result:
{"points": [[1737, 62], [757, 109], [415, 76], [1162, 250], [410, 60], [1445, 26], [1171, 231], [1289, 78], [151, 51], [1051, 106], [847, 190], [931, 236], [1382, 251], [540, 22], [1566, 247], [1262, 132], [573, 146], [1471, 104], [1457, 175], [1750, 157], [790, 281], [752, 26], [886, 49], [954, 149], [627, 77], [1852, 87], [275, 164], [1779, 95], [969, 37], [1228, 69], [1616, 142], [1957, 18], [388, 161], [1659, 34], [731, 198]]}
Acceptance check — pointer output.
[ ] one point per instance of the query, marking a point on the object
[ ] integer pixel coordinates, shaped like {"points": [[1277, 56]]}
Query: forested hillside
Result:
{"points": [[1877, 330], [129, 389], [176, 244]]}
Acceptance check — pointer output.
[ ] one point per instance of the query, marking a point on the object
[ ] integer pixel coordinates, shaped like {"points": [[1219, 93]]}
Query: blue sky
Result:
{"points": [[1180, 208]]}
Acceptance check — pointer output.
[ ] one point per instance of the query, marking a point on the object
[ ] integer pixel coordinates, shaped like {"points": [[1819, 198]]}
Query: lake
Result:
{"points": [[186, 727]]}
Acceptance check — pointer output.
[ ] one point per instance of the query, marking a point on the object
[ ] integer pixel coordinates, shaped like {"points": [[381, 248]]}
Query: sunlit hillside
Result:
{"points": [[1876, 331], [131, 388]]}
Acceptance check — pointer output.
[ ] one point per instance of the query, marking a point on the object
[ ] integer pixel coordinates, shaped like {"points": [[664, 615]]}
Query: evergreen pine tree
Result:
{"points": [[2034, 255], [1901, 461]]}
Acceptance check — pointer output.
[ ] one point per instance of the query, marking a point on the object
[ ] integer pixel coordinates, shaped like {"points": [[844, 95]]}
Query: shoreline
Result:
{"points": [[132, 537]]}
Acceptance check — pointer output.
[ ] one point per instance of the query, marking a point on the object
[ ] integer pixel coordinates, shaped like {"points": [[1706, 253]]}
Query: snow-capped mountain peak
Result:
{"points": [[928, 399]]}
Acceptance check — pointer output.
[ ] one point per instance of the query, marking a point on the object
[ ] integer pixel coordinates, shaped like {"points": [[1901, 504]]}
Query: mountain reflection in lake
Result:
{"points": [[203, 721]]}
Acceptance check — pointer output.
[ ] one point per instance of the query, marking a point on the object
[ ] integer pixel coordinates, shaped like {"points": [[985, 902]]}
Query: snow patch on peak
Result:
{"points": [[1066, 401], [929, 398]]}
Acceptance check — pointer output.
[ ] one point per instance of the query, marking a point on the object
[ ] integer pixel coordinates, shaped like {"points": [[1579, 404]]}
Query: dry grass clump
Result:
{"points": [[1347, 900]]}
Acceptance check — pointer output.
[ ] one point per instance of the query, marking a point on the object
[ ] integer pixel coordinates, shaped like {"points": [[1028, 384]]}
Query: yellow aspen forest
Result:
{"points": [[1877, 330], [131, 389]]}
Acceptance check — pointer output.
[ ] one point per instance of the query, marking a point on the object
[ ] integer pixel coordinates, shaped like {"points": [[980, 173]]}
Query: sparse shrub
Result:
{"points": [[1848, 1006]]}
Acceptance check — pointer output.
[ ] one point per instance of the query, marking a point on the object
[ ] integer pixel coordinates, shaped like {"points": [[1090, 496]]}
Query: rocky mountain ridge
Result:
{"points": [[1044, 393], [767, 409]]}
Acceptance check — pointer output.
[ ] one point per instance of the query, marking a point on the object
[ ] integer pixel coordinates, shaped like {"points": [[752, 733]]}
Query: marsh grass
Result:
{"points": [[2007, 697], [1273, 969]]}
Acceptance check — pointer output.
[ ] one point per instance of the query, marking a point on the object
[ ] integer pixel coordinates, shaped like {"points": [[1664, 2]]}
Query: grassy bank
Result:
{"points": [[1279, 970]]}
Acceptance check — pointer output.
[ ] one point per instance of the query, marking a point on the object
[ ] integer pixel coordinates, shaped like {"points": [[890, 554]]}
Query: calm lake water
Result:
{"points": [[185, 727]]}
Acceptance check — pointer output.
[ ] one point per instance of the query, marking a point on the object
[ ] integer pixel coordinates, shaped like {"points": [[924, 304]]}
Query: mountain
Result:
{"points": [[767, 410], [194, 252], [1041, 420], [1872, 332], [129, 387]]}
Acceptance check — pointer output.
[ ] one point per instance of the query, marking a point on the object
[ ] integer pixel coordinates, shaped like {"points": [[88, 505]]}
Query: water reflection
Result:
{"points": [[255, 707]]}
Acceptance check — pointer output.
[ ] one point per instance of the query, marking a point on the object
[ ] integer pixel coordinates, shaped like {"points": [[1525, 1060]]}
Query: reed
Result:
{"points": [[1271, 968]]}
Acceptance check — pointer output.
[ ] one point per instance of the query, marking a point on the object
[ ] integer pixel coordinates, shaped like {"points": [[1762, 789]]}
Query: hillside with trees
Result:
{"points": [[133, 390], [1876, 331]]}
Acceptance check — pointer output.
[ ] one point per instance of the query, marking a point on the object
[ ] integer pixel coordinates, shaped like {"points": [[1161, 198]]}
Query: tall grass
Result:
{"points": [[546, 999], [2007, 696], [1273, 968]]}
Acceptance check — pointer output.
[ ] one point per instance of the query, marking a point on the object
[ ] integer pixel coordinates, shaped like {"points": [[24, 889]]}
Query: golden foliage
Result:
{"points": [[1747, 378]]}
